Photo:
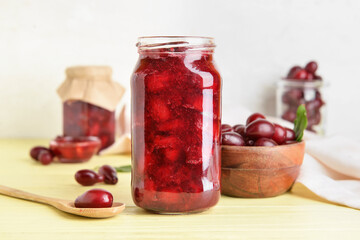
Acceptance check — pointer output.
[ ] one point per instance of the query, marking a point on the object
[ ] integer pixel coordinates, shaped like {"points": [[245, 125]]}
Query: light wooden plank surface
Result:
{"points": [[290, 216]]}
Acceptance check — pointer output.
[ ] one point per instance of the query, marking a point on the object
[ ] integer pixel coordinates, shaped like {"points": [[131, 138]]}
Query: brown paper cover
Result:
{"points": [[92, 84]]}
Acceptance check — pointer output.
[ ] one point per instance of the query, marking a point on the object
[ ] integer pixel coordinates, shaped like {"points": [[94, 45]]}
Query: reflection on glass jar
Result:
{"points": [[292, 93], [176, 119]]}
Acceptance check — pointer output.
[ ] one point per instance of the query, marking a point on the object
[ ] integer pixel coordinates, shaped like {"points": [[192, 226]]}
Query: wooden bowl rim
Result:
{"points": [[247, 148], [257, 169]]}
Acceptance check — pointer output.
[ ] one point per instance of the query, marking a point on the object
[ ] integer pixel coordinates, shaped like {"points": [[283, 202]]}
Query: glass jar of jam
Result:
{"points": [[85, 119], [293, 92], [89, 101], [176, 119]]}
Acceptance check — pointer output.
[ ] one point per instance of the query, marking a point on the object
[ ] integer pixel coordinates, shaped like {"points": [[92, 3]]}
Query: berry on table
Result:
{"points": [[45, 157], [34, 152], [88, 177], [109, 174]]}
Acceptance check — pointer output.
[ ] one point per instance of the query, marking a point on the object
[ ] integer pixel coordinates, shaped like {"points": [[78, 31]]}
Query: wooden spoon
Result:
{"points": [[65, 205]]}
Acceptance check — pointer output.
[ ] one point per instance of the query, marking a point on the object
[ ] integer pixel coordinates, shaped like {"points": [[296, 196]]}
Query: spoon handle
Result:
{"points": [[12, 192]]}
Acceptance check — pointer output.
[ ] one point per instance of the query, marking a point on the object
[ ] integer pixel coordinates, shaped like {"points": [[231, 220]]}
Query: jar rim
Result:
{"points": [[301, 83], [175, 43]]}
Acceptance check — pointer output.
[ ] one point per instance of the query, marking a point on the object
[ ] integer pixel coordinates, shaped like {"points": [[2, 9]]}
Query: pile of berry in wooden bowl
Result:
{"points": [[261, 159]]}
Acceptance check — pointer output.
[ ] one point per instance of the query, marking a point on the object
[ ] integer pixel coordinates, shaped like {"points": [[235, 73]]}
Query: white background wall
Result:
{"points": [[258, 41]]}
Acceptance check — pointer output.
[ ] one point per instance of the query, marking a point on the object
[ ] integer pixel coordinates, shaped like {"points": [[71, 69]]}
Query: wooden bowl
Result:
{"points": [[260, 171]]}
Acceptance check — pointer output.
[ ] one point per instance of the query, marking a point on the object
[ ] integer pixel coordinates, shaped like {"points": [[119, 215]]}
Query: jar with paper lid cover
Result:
{"points": [[90, 97]]}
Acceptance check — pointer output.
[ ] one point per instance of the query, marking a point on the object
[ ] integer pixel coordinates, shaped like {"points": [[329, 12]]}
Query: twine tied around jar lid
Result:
{"points": [[92, 84]]}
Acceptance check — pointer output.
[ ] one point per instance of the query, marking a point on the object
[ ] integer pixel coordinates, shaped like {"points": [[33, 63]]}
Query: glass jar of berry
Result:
{"points": [[303, 85], [292, 93], [176, 119], [89, 101]]}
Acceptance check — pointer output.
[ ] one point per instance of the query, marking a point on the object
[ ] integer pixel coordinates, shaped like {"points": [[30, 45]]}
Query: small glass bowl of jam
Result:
{"points": [[75, 149]]}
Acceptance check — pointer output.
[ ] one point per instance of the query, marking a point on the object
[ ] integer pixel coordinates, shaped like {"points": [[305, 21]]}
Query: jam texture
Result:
{"points": [[176, 120], [85, 119]]}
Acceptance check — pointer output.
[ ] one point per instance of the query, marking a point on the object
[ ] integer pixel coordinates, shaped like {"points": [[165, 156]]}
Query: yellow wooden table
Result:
{"points": [[290, 216]]}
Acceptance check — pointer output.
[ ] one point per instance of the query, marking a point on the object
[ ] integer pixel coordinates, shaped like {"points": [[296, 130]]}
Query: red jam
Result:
{"points": [[85, 119], [176, 119], [75, 149]]}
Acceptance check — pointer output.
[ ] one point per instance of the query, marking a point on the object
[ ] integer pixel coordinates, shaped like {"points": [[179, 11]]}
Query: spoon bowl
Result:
{"points": [[69, 207], [65, 205]]}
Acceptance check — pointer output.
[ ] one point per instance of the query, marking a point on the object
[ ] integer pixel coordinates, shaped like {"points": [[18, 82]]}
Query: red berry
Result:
{"points": [[254, 117], [280, 134], [87, 177], [293, 97], [265, 142], [95, 198], [311, 67], [318, 95], [109, 174], [34, 152], [314, 119], [301, 75], [45, 157], [314, 105], [292, 71], [310, 77], [226, 128], [232, 138], [249, 142], [290, 134], [289, 115], [260, 128], [240, 129], [316, 77]]}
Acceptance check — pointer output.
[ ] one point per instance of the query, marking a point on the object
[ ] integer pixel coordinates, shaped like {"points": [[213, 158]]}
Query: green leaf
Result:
{"points": [[126, 168], [300, 122]]}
